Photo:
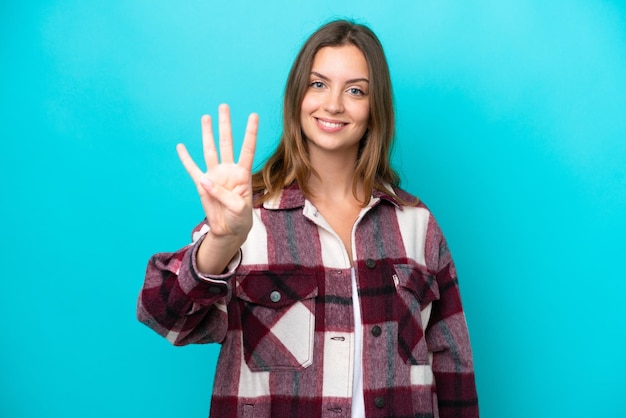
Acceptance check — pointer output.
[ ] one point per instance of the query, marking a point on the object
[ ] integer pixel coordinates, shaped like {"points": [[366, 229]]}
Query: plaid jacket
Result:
{"points": [[284, 316]]}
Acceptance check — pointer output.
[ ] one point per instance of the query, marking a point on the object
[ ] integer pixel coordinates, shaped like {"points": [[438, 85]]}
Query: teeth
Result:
{"points": [[330, 124]]}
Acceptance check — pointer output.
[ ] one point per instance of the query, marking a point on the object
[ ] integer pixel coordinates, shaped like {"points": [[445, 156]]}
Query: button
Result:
{"points": [[376, 331], [215, 289], [379, 402], [370, 263], [275, 296]]}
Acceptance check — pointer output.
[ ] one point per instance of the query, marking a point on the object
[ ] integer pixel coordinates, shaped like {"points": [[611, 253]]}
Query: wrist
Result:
{"points": [[216, 251]]}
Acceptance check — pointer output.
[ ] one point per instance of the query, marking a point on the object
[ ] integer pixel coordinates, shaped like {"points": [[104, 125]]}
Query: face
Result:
{"points": [[335, 108]]}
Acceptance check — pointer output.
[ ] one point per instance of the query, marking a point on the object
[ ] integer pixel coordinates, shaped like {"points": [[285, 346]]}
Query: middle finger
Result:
{"points": [[226, 136]]}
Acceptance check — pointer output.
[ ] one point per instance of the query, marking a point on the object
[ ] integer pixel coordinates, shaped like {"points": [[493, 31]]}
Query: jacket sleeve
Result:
{"points": [[448, 338], [181, 304]]}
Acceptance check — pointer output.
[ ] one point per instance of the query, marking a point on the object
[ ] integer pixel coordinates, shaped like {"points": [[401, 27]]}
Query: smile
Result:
{"points": [[330, 125]]}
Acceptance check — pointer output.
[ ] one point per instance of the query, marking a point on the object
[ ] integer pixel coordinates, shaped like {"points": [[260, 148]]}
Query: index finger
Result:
{"points": [[246, 157], [208, 142]]}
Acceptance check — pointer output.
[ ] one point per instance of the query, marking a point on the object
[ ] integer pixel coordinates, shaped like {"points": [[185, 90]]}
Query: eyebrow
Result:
{"points": [[354, 80]]}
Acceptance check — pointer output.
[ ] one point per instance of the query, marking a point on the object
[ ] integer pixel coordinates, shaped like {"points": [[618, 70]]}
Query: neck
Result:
{"points": [[334, 180]]}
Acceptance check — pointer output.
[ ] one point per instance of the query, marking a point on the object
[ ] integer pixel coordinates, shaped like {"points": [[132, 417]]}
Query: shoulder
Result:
{"points": [[403, 199], [411, 209]]}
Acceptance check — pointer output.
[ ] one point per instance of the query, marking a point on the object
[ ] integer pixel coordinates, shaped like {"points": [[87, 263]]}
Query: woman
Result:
{"points": [[331, 290]]}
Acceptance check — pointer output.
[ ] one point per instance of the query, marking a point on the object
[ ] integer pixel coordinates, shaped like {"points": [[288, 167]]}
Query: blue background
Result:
{"points": [[511, 127]]}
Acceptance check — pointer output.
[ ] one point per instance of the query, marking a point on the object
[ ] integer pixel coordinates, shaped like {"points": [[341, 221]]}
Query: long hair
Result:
{"points": [[290, 161]]}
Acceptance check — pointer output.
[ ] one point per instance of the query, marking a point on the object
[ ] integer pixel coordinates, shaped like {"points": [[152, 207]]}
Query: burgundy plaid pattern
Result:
{"points": [[268, 299], [284, 315]]}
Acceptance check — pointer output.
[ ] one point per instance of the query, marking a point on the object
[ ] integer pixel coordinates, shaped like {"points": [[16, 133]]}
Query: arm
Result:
{"points": [[225, 190], [448, 340], [180, 303], [185, 293]]}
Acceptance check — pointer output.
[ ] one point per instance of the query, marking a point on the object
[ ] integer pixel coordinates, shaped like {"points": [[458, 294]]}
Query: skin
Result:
{"points": [[225, 190], [335, 108], [334, 118]]}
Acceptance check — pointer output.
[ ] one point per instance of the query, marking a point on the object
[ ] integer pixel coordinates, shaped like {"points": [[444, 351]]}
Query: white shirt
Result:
{"points": [[358, 403]]}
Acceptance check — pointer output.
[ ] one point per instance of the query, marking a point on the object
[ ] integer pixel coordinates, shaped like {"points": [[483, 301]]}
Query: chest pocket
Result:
{"points": [[277, 318], [417, 288]]}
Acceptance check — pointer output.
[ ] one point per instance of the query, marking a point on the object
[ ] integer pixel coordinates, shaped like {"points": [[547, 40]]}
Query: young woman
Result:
{"points": [[331, 290]]}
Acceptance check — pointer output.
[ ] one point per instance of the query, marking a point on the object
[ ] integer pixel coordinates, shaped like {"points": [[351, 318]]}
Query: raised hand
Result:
{"points": [[225, 189]]}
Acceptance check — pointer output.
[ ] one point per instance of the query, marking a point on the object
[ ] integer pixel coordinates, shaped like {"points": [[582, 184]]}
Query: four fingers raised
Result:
{"points": [[226, 154]]}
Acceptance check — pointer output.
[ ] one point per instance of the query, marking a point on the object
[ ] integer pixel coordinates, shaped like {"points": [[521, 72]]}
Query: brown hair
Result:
{"points": [[290, 160]]}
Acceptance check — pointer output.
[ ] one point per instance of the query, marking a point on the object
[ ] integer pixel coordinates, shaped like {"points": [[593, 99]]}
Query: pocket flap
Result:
{"points": [[419, 281], [276, 289]]}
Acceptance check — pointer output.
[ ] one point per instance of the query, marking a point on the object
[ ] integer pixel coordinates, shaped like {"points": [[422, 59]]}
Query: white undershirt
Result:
{"points": [[358, 403]]}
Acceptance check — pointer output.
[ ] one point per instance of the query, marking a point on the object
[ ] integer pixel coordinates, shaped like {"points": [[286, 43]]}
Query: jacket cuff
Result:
{"points": [[229, 271]]}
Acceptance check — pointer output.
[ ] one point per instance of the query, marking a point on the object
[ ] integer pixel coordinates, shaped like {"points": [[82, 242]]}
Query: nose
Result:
{"points": [[334, 102]]}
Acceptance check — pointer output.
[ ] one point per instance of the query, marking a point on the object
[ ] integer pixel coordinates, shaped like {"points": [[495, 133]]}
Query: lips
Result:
{"points": [[329, 126]]}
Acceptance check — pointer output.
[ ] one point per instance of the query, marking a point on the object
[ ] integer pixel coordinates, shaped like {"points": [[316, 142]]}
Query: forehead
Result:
{"points": [[341, 61]]}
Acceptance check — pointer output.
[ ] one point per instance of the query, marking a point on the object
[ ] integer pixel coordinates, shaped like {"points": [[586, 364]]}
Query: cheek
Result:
{"points": [[362, 113], [308, 104]]}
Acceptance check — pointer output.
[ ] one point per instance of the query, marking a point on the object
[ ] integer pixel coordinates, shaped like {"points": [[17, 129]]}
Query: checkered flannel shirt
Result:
{"points": [[283, 314]]}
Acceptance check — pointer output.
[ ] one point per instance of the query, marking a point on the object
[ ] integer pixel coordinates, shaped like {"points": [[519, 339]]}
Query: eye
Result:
{"points": [[317, 85], [356, 91]]}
